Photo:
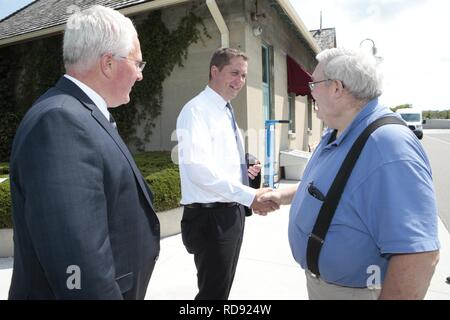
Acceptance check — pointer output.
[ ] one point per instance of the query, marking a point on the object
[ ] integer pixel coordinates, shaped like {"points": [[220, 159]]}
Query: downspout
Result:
{"points": [[220, 22]]}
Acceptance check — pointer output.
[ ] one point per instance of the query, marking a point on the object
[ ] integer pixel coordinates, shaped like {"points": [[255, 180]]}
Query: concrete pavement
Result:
{"points": [[266, 269]]}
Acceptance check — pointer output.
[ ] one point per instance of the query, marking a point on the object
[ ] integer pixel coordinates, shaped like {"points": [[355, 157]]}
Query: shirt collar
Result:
{"points": [[367, 110], [216, 98], [94, 96]]}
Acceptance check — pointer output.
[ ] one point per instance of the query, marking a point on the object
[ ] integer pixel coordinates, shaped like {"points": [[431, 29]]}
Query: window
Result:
{"points": [[291, 101], [309, 122], [266, 53]]}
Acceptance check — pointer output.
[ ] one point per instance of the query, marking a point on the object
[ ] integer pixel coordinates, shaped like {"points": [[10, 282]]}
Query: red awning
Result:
{"points": [[298, 78]]}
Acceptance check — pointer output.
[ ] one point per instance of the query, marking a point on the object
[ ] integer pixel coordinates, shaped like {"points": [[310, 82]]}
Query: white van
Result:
{"points": [[413, 119]]}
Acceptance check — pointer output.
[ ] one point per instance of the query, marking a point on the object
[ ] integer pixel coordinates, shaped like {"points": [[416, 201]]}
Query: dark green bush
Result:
{"points": [[4, 168], [8, 125], [5, 206], [152, 162], [157, 168], [166, 188], [163, 177]]}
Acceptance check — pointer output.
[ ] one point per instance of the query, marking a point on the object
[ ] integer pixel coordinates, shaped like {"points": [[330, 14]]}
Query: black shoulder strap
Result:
{"points": [[326, 213]]}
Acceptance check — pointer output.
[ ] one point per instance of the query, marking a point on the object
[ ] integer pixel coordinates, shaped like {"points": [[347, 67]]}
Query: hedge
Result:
{"points": [[4, 168], [166, 188], [154, 161], [157, 167], [5, 205]]}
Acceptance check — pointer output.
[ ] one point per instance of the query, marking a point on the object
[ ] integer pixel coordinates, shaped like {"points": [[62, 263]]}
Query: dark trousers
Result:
{"points": [[214, 236]]}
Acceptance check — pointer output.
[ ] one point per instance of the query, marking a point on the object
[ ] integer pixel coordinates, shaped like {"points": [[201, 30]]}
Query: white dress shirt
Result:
{"points": [[208, 155], [94, 96]]}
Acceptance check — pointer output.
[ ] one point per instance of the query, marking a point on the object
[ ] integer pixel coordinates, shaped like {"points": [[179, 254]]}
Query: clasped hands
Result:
{"points": [[265, 198], [264, 202]]}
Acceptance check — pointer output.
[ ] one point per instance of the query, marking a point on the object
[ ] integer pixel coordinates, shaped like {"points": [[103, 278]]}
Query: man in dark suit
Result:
{"points": [[84, 226]]}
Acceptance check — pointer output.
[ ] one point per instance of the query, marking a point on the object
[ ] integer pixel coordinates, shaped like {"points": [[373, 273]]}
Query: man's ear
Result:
{"points": [[107, 64], [339, 87], [214, 70]]}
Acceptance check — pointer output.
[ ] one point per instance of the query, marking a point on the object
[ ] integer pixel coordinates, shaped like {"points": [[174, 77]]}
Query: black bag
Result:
{"points": [[255, 183]]}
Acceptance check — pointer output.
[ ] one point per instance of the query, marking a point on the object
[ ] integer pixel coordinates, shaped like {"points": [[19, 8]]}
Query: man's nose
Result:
{"points": [[240, 80]]}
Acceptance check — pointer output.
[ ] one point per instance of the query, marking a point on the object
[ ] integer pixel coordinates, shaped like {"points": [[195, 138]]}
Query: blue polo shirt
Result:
{"points": [[388, 205]]}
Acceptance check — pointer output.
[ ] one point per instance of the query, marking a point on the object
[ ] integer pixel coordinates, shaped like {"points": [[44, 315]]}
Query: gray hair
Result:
{"points": [[355, 68], [93, 32]]}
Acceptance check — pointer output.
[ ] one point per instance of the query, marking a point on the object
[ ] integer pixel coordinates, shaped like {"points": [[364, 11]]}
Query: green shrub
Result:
{"points": [[160, 172], [166, 189], [5, 206], [4, 168], [154, 161], [8, 125], [163, 177]]}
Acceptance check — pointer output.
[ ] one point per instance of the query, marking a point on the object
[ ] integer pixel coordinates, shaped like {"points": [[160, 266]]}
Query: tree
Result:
{"points": [[402, 106], [436, 114]]}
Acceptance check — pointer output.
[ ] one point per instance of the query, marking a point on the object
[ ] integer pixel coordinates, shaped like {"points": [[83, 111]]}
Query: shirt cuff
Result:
{"points": [[247, 196]]}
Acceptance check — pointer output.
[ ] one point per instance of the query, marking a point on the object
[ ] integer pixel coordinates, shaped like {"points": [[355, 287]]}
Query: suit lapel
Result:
{"points": [[71, 88], [121, 144]]}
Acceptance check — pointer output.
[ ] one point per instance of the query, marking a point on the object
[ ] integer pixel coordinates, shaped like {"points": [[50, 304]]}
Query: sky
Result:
{"points": [[411, 36], [9, 6]]}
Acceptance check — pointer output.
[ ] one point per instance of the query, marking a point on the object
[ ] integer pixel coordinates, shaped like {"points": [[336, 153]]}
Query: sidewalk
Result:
{"points": [[266, 269]]}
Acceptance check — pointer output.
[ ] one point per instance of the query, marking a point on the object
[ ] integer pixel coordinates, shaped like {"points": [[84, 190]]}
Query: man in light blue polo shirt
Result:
{"points": [[382, 241]]}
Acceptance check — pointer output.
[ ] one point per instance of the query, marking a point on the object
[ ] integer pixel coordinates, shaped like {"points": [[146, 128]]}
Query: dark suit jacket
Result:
{"points": [[78, 200]]}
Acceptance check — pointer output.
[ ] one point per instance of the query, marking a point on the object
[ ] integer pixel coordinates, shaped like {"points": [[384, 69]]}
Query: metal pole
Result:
{"points": [[269, 164]]}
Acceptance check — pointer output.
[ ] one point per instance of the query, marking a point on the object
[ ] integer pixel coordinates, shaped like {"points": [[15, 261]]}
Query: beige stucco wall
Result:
{"points": [[185, 82], [275, 33]]}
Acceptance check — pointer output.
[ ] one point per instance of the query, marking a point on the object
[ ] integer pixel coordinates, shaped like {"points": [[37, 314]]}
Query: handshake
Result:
{"points": [[266, 200]]}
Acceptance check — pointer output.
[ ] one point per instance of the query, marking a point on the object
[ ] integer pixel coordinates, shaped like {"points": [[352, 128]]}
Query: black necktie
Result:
{"points": [[240, 147], [112, 121]]}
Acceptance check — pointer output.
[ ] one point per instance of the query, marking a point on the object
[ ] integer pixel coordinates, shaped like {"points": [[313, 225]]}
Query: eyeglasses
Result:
{"points": [[140, 65], [312, 84]]}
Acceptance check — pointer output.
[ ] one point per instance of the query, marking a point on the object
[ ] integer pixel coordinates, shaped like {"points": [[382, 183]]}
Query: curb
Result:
{"points": [[170, 221], [6, 243]]}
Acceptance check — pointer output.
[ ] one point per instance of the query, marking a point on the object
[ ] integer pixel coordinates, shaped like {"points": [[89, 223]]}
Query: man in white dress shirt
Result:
{"points": [[215, 185]]}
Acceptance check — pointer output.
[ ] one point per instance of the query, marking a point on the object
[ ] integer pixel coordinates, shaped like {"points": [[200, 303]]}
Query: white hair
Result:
{"points": [[93, 32], [355, 68]]}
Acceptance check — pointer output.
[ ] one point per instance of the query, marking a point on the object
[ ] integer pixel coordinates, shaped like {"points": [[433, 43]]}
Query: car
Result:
{"points": [[413, 119]]}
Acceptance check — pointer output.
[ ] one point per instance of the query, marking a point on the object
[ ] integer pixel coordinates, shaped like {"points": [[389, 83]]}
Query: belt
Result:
{"points": [[211, 205]]}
